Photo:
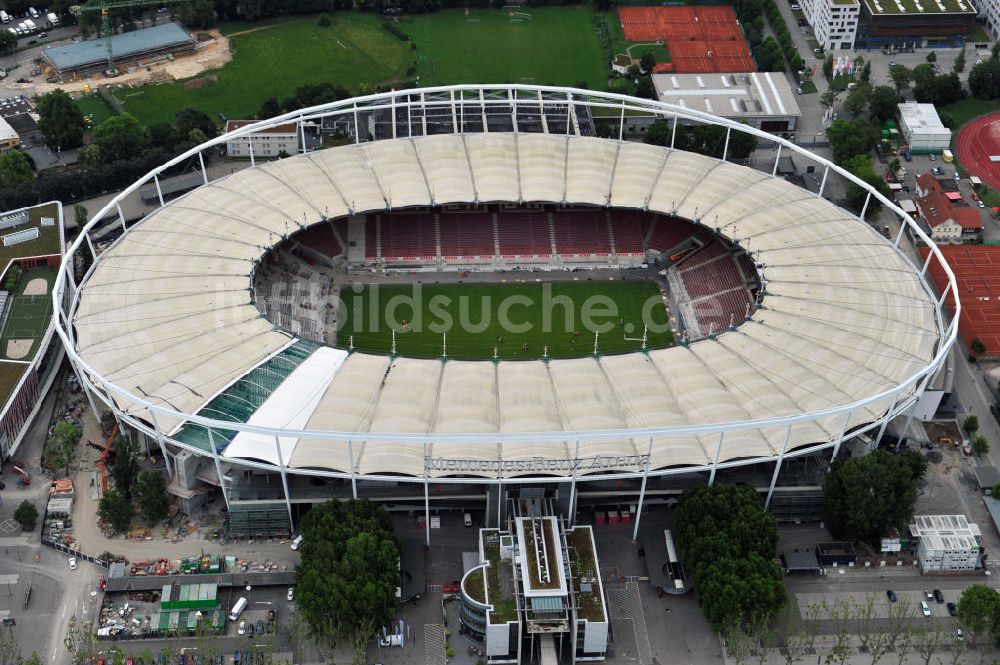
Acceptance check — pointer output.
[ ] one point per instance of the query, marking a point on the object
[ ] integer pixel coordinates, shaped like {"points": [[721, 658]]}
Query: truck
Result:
{"points": [[53, 19], [30, 25], [32, 12], [4, 17], [238, 608]]}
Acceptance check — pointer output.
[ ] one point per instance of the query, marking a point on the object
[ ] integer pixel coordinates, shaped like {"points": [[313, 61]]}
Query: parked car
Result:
{"points": [[242, 630], [952, 609], [933, 157], [925, 609], [959, 636], [892, 596], [72, 563], [938, 596], [981, 203], [291, 593]]}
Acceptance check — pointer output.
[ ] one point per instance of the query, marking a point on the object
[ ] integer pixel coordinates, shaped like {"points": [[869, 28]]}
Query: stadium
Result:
{"points": [[211, 327]]}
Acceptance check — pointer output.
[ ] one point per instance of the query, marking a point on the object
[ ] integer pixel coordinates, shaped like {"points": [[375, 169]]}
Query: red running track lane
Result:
{"points": [[976, 141]]}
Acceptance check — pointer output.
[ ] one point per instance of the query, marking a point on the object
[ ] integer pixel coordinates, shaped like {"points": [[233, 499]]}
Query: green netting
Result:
{"points": [[242, 399]]}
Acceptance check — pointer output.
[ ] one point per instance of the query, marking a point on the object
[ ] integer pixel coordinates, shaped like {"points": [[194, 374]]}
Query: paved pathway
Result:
{"points": [[625, 604], [434, 645]]}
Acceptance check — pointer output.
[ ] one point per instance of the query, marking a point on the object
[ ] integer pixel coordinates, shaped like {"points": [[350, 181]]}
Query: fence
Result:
{"points": [[77, 553]]}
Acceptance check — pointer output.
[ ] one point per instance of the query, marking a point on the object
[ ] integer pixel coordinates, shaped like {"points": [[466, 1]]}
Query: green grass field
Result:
{"points": [[620, 45], [96, 107], [556, 45], [29, 315], [477, 316], [273, 59]]}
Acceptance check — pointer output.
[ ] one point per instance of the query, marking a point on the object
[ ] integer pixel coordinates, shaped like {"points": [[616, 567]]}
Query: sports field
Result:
{"points": [[544, 45], [273, 59], [29, 315], [541, 45], [518, 320]]}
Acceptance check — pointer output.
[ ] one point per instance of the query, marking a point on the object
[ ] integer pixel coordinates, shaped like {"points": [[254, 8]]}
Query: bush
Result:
{"points": [[393, 29], [324, 21], [26, 515], [971, 424]]}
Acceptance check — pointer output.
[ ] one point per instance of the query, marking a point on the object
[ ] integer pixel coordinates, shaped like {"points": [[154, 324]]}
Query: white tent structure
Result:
{"points": [[163, 321]]}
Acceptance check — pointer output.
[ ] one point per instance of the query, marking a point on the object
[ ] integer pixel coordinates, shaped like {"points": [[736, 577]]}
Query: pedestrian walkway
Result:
{"points": [[625, 604], [434, 644]]}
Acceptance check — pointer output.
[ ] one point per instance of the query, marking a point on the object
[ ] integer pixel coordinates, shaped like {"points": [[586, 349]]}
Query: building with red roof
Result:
{"points": [[948, 222]]}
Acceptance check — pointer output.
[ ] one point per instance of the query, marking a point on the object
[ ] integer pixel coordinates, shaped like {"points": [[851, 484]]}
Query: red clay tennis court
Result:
{"points": [[977, 141], [977, 273], [700, 39]]}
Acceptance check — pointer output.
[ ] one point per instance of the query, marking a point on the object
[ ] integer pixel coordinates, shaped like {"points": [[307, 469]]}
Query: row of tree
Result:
{"points": [[727, 542], [709, 140], [147, 489], [984, 78]]}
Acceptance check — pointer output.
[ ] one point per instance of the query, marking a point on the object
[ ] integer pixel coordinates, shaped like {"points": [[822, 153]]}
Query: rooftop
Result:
{"points": [[499, 590], [937, 208], [287, 128], [92, 52], [921, 116], [7, 133], [541, 556], [943, 525], [903, 7], [587, 584], [744, 95]]}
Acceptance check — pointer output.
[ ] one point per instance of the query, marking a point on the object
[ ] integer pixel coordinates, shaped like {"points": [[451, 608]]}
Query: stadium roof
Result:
{"points": [[79, 55], [166, 314]]}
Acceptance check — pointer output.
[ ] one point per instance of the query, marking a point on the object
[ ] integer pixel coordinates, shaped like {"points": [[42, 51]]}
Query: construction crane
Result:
{"points": [[104, 7]]}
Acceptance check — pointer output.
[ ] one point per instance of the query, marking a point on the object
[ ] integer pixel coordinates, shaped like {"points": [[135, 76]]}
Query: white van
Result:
{"points": [[297, 543], [32, 12], [467, 519], [4, 17], [238, 608]]}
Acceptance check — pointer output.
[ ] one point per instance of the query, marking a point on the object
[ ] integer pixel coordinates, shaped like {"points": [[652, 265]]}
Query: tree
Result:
{"points": [[658, 133], [979, 611], [346, 582], [866, 72], [829, 98], [89, 157], [125, 469], [971, 424], [863, 166], [980, 446], [882, 103], [189, 119], [151, 493], [197, 14], [728, 541], [80, 216], [8, 41], [269, 108], [164, 135], [939, 90], [959, 65], [26, 515], [867, 497], [901, 76], [647, 62], [857, 99], [60, 447], [644, 87], [60, 120], [978, 346], [849, 138], [984, 79], [932, 57], [115, 510], [15, 169], [120, 137]]}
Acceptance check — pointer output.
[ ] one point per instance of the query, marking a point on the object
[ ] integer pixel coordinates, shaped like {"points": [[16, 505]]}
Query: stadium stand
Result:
{"points": [[581, 233], [466, 234], [627, 230], [320, 238], [524, 234], [407, 237]]}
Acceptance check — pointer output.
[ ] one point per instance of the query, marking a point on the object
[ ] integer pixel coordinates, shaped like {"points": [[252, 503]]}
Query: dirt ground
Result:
{"points": [[209, 55]]}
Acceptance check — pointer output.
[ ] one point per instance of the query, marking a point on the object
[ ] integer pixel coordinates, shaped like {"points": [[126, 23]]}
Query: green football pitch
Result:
{"points": [[520, 321], [543, 45]]}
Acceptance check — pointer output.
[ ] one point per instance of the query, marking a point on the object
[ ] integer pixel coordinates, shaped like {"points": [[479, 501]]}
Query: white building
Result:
{"points": [[922, 128], [271, 142], [834, 22], [9, 140], [946, 543], [990, 11], [764, 100]]}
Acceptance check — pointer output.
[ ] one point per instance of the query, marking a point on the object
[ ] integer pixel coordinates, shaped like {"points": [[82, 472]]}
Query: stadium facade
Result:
{"points": [[165, 329]]}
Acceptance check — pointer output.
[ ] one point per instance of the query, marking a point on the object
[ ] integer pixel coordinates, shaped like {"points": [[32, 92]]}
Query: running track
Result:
{"points": [[976, 141]]}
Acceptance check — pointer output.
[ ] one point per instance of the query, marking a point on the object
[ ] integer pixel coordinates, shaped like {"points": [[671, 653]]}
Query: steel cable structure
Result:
{"points": [[847, 334]]}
